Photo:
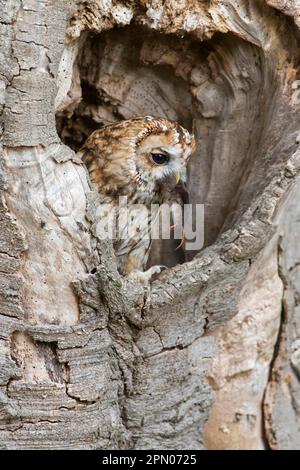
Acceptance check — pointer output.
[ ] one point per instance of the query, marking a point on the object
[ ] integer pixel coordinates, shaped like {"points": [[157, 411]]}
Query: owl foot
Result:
{"points": [[144, 277]]}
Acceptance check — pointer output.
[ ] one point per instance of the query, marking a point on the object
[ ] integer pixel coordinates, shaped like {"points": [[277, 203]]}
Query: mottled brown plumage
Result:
{"points": [[138, 158]]}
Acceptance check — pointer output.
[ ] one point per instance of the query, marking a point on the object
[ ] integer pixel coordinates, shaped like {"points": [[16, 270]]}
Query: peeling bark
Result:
{"points": [[208, 356]]}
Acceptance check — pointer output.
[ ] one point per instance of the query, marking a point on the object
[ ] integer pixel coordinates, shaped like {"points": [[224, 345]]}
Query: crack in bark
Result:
{"points": [[269, 432]]}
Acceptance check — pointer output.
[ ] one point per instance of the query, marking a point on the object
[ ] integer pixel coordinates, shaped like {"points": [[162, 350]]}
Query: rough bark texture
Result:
{"points": [[208, 357]]}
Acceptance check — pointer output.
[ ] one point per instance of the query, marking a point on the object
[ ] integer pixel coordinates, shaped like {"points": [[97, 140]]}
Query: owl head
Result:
{"points": [[162, 150], [139, 153]]}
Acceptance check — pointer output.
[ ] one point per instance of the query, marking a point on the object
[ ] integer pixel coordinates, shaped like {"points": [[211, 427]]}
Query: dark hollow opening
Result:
{"points": [[218, 88]]}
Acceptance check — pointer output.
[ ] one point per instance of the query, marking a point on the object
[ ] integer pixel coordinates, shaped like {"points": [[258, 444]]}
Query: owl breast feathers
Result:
{"points": [[142, 159]]}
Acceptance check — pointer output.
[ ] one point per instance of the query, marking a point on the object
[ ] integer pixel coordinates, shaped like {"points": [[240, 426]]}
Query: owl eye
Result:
{"points": [[159, 158]]}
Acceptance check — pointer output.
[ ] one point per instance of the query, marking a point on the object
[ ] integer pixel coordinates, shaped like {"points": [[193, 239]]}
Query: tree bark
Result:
{"points": [[208, 357]]}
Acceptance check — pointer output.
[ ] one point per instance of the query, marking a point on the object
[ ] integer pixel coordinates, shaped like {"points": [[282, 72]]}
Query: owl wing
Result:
{"points": [[132, 246]]}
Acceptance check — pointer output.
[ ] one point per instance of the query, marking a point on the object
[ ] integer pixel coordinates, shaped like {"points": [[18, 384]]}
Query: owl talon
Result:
{"points": [[144, 277]]}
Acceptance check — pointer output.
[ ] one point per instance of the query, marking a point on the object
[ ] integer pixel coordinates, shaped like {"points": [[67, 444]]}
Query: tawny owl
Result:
{"points": [[140, 158]]}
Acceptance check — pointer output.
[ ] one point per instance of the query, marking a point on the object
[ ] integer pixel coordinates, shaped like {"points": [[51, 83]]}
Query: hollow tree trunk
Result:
{"points": [[209, 357]]}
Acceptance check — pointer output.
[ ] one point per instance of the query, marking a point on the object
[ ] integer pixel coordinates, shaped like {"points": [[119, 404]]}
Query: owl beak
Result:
{"points": [[178, 177]]}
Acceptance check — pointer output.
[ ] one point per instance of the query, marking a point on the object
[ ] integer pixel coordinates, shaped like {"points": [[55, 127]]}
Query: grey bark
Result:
{"points": [[208, 357]]}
